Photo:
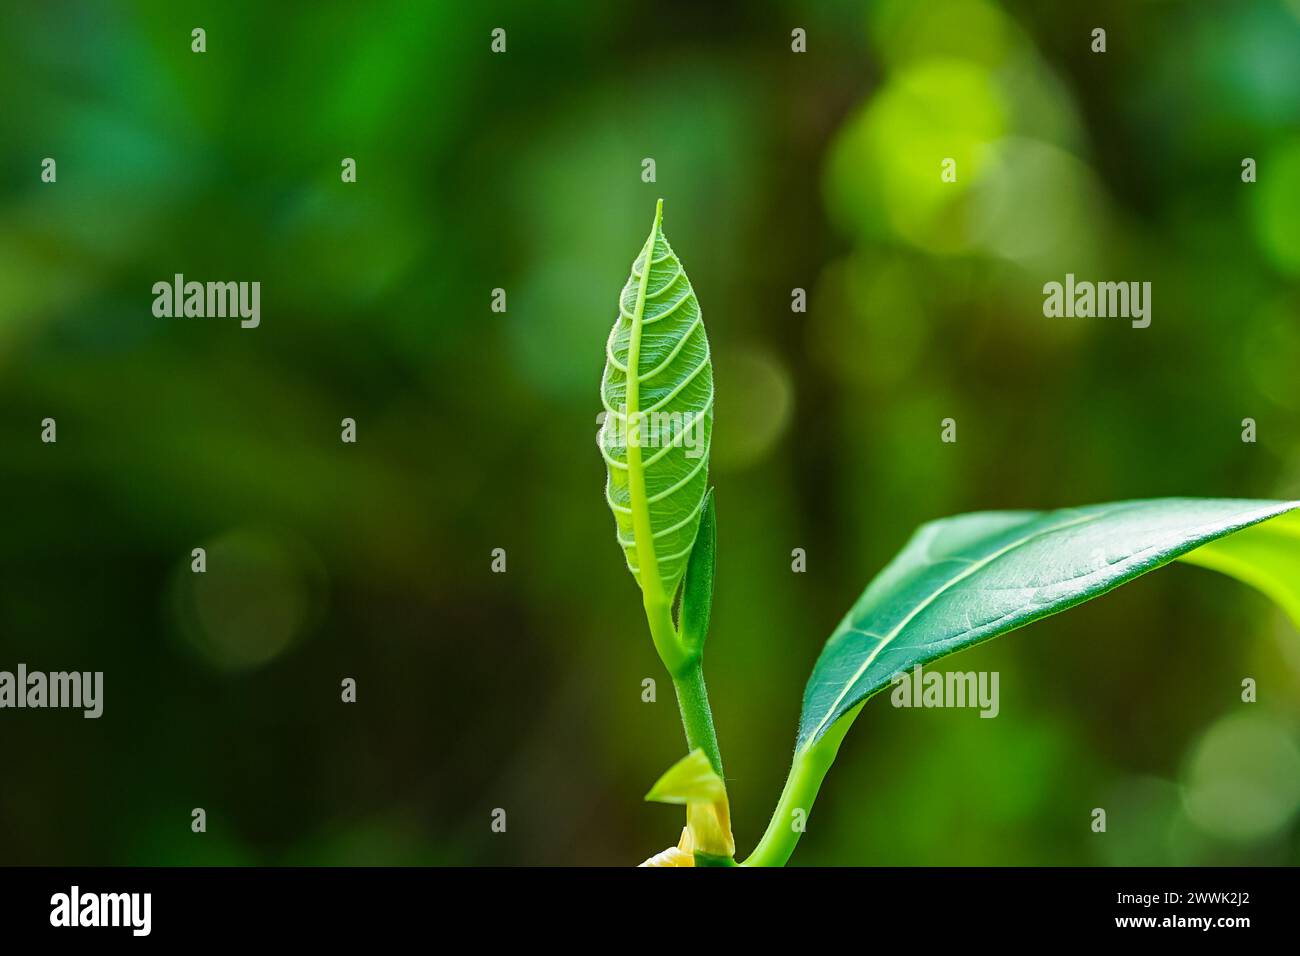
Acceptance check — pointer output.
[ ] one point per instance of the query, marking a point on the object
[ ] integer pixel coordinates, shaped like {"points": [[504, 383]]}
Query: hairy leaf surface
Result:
{"points": [[657, 391], [967, 579]]}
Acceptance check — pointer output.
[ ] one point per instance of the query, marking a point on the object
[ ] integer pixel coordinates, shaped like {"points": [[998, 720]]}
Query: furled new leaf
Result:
{"points": [[657, 391]]}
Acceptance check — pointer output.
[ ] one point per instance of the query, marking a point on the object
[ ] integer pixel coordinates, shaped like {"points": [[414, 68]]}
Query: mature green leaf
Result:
{"points": [[964, 580], [657, 390]]}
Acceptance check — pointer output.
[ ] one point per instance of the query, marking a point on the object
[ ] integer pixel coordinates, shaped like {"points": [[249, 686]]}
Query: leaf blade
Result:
{"points": [[657, 392], [961, 581], [690, 780], [1266, 556], [694, 783]]}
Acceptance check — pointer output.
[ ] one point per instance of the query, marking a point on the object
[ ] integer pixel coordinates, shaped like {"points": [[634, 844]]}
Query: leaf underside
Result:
{"points": [[964, 580], [657, 391]]}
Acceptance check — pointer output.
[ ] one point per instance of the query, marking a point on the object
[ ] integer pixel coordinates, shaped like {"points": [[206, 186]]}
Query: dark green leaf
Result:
{"points": [[697, 591], [964, 580]]}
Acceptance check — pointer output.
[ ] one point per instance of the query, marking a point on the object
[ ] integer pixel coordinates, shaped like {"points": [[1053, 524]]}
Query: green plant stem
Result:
{"points": [[806, 774], [662, 631], [686, 667], [697, 716]]}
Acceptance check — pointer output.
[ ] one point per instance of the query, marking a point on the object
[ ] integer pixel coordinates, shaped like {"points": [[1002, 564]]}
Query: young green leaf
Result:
{"points": [[657, 391], [964, 580]]}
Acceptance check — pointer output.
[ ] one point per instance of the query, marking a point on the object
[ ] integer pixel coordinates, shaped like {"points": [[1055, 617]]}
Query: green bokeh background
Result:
{"points": [[477, 430]]}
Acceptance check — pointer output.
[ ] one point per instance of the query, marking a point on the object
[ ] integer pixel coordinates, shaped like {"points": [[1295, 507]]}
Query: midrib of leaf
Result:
{"points": [[973, 568], [651, 584]]}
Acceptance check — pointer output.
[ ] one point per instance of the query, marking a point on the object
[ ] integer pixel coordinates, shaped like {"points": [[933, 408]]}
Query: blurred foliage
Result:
{"points": [[477, 429]]}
